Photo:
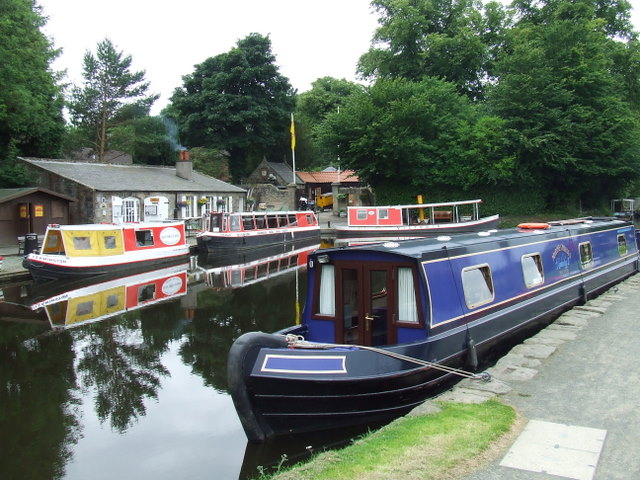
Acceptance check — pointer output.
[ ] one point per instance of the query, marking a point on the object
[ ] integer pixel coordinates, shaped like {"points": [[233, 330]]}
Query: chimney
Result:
{"points": [[184, 167]]}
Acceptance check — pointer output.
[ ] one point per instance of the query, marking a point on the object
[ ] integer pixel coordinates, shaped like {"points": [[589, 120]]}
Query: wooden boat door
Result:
{"points": [[365, 305]]}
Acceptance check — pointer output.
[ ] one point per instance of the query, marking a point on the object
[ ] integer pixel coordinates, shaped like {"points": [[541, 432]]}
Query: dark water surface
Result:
{"points": [[137, 390]]}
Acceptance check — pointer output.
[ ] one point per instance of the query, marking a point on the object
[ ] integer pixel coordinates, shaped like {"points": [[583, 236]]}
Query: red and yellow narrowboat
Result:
{"points": [[74, 251]]}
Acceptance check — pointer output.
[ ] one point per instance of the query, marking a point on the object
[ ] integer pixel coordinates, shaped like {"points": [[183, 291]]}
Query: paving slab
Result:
{"points": [[564, 450]]}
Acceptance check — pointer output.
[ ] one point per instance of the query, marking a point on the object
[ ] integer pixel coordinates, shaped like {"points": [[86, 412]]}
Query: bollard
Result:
{"points": [[329, 224]]}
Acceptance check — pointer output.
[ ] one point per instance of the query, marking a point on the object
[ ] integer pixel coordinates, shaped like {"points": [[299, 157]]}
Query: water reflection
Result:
{"points": [[114, 377]]}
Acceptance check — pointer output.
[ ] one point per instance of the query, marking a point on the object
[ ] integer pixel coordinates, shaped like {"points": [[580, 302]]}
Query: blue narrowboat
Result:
{"points": [[385, 325]]}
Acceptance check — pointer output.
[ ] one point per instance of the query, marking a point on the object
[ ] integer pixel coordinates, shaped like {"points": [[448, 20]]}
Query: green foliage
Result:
{"points": [[31, 122], [419, 135], [451, 40], [572, 125], [211, 162], [237, 101], [109, 86], [326, 96]]}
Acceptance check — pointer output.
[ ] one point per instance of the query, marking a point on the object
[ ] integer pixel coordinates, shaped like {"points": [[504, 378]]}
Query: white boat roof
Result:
{"points": [[113, 226], [424, 205]]}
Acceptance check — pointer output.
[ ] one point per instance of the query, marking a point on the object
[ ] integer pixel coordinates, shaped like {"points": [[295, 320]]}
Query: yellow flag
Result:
{"points": [[293, 134]]}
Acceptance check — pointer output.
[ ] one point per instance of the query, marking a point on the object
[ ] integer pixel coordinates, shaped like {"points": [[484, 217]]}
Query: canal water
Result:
{"points": [[126, 378]]}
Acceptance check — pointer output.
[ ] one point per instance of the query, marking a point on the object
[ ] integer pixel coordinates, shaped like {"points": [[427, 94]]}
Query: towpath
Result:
{"points": [[577, 383]]}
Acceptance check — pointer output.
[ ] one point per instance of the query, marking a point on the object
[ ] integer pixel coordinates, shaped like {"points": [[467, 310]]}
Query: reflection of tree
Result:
{"points": [[123, 369], [222, 316], [38, 427]]}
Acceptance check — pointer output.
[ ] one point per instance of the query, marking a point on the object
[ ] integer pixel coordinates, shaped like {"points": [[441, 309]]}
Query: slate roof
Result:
{"points": [[108, 177], [284, 171], [8, 194], [346, 176]]}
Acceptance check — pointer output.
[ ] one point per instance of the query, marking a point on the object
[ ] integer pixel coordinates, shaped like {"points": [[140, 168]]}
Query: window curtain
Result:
{"points": [[407, 307], [327, 291]]}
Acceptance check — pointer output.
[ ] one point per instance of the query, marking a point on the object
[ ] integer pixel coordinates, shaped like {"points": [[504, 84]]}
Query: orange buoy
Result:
{"points": [[533, 226]]}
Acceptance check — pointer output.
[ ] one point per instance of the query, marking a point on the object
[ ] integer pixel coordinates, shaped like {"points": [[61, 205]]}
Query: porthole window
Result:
{"points": [[477, 285], [532, 270]]}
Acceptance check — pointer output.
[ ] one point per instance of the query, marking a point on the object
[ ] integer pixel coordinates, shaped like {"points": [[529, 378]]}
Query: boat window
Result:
{"points": [[383, 213], [532, 270], [406, 294], [146, 293], [247, 223], [282, 220], [113, 300], [477, 285], [53, 242], [272, 221], [292, 220], [84, 308], [234, 223], [110, 242], [586, 256], [214, 222], [309, 219], [350, 301], [81, 243], [144, 238], [260, 222], [622, 245], [327, 303], [361, 214]]}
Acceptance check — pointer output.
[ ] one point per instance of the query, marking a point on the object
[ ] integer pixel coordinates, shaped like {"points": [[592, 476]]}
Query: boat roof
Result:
{"points": [[114, 226], [424, 248], [425, 205]]}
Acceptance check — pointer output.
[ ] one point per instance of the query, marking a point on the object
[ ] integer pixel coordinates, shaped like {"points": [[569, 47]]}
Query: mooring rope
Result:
{"points": [[297, 341]]}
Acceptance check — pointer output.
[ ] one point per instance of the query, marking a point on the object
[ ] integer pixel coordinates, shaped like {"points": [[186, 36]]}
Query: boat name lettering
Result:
{"points": [[561, 257], [170, 235]]}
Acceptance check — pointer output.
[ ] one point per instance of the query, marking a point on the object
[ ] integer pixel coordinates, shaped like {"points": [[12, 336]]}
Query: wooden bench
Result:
{"points": [[442, 216]]}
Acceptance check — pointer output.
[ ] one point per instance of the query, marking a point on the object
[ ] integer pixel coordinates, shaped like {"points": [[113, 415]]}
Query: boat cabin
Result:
{"points": [[220, 222], [403, 215], [101, 240], [402, 292]]}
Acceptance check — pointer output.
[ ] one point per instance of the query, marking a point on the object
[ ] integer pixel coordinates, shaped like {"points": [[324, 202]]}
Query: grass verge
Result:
{"points": [[427, 447]]}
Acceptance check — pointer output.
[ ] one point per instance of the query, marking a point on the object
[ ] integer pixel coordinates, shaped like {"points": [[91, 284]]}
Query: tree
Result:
{"points": [[327, 95], [109, 85], [567, 90], [238, 102], [31, 121], [449, 39], [417, 136]]}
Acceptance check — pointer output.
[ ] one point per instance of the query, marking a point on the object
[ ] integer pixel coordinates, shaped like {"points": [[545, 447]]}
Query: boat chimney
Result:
{"points": [[184, 167]]}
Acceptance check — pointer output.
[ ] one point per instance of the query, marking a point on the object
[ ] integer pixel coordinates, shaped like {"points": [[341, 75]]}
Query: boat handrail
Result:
{"points": [[423, 205]]}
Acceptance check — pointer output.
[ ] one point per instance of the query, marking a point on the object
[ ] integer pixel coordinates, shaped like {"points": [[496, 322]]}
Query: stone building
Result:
{"points": [[131, 193]]}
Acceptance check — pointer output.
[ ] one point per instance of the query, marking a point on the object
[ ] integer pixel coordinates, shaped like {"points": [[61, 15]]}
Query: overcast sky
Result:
{"points": [[310, 39]]}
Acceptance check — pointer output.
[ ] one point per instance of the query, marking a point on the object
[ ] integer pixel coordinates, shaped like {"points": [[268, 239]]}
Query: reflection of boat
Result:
{"points": [[249, 230], [420, 220], [240, 270], [69, 304], [71, 251], [386, 324]]}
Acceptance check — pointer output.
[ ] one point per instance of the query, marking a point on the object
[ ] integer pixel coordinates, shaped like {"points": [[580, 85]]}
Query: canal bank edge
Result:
{"points": [[521, 365]]}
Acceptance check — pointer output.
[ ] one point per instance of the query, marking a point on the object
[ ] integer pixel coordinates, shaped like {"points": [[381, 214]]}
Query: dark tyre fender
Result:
{"points": [[242, 354]]}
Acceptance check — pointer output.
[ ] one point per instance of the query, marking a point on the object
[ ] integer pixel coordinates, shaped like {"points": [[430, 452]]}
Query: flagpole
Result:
{"points": [[293, 147]]}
